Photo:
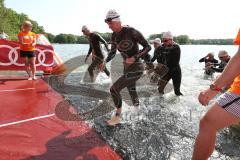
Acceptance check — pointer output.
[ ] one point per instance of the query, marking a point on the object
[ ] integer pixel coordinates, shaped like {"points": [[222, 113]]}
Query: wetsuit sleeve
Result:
{"points": [[89, 51], [154, 57], [113, 50], [103, 41], [218, 69], [177, 55], [202, 60], [141, 40]]}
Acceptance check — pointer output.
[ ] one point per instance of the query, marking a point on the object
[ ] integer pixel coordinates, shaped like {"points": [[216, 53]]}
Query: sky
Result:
{"points": [[195, 18]]}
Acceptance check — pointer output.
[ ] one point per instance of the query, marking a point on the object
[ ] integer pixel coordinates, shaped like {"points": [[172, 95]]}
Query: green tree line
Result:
{"points": [[10, 22], [184, 39], [74, 39]]}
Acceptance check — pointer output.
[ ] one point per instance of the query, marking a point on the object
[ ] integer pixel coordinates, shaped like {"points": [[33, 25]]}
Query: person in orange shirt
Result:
{"points": [[225, 112], [27, 41]]}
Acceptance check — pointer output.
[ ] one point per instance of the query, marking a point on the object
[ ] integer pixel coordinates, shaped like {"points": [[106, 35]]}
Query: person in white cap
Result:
{"points": [[224, 58], [210, 61], [171, 54], [156, 44], [95, 48], [126, 39], [160, 70]]}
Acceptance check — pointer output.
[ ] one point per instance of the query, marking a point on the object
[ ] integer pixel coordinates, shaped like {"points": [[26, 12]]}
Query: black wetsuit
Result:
{"points": [[221, 66], [170, 57], [126, 42], [211, 61], [95, 48]]}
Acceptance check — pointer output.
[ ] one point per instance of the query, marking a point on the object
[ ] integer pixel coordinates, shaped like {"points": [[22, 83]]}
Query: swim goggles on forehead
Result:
{"points": [[111, 18]]}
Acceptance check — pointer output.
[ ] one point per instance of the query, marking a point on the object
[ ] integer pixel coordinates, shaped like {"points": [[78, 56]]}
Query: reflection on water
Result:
{"points": [[162, 128]]}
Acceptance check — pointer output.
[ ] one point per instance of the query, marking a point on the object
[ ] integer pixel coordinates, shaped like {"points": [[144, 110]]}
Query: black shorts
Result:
{"points": [[28, 54]]}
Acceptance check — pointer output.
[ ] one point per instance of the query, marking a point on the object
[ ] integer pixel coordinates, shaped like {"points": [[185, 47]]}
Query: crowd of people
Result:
{"points": [[167, 53], [126, 40], [212, 65]]}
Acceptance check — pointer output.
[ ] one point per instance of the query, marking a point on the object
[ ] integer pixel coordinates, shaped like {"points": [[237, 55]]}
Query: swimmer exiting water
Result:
{"points": [[125, 39], [170, 55], [95, 49]]}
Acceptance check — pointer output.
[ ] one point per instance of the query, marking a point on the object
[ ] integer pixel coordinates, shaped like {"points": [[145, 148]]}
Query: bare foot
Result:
{"points": [[34, 78], [115, 120], [30, 78]]}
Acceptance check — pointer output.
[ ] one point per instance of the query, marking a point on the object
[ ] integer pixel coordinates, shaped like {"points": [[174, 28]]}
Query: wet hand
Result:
{"points": [[130, 60], [205, 96], [102, 66], [33, 44]]}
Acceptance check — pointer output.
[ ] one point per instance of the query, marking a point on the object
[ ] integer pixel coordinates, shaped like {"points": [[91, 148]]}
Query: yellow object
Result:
{"points": [[235, 87], [27, 39], [237, 40]]}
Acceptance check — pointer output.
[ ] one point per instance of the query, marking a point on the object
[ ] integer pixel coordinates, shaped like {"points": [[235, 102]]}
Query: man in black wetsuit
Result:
{"points": [[224, 58], [126, 39], [209, 61], [170, 54], [161, 69], [95, 49]]}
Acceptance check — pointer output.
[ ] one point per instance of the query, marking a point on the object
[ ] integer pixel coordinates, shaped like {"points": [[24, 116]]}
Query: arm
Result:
{"points": [[217, 69], [89, 52], [34, 40], [141, 40], [113, 50], [104, 42], [154, 57], [231, 71], [202, 59]]}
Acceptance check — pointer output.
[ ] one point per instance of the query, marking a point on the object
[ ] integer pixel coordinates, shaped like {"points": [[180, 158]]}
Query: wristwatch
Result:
{"points": [[213, 87]]}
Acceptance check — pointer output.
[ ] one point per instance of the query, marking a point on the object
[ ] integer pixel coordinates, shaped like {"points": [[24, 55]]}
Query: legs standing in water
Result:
{"points": [[131, 75], [176, 76], [92, 67], [216, 118]]}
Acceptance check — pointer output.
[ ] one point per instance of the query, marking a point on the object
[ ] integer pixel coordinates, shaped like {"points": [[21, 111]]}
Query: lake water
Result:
{"points": [[164, 129]]}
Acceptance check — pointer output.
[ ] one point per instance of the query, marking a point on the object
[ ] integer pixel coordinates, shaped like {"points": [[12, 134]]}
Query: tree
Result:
{"points": [[50, 37], [154, 36], [182, 39], [1, 3]]}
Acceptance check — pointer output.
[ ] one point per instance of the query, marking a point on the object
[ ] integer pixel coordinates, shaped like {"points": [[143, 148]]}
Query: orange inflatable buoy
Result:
{"points": [[237, 40]]}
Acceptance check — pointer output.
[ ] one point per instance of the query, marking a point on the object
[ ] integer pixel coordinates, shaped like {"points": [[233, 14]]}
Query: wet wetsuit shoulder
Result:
{"points": [[157, 55], [172, 55], [94, 40], [221, 66], [126, 42]]}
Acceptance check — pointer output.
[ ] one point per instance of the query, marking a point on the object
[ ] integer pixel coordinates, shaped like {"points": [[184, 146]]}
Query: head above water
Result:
{"points": [[167, 38], [210, 55], [26, 26], [223, 55], [156, 42], [113, 20], [85, 30]]}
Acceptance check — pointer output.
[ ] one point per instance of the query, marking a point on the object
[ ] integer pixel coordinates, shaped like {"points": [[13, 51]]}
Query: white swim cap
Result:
{"points": [[84, 28], [112, 15], [156, 40], [167, 35], [223, 53]]}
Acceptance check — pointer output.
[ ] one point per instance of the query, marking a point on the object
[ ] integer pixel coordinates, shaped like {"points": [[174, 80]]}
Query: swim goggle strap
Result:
{"points": [[111, 18]]}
